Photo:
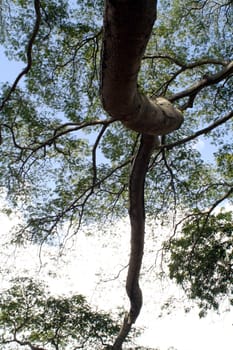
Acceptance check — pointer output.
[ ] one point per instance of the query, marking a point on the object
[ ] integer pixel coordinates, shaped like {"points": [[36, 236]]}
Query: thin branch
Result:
{"points": [[184, 66], [219, 201], [94, 152], [56, 135], [77, 126], [164, 158], [54, 220], [206, 130], [76, 48], [68, 128], [28, 53], [200, 214], [115, 277], [23, 343], [205, 82]]}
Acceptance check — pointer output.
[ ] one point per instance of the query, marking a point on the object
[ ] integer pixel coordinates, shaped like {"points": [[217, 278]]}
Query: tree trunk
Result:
{"points": [[127, 29]]}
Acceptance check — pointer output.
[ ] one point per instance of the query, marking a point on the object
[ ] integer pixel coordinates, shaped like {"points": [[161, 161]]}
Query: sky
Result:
{"points": [[10, 69], [90, 265], [77, 272]]}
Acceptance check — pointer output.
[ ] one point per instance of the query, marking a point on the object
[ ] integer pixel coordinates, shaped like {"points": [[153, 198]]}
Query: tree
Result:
{"points": [[54, 128], [206, 274], [30, 317]]}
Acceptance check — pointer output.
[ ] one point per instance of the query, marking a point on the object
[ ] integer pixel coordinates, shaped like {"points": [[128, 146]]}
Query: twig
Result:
{"points": [[206, 130], [28, 53], [94, 166], [205, 82]]}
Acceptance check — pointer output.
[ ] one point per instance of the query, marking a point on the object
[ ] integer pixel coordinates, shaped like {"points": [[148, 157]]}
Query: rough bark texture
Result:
{"points": [[127, 29]]}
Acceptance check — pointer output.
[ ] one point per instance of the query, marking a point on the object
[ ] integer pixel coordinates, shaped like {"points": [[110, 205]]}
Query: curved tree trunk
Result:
{"points": [[127, 29], [137, 221]]}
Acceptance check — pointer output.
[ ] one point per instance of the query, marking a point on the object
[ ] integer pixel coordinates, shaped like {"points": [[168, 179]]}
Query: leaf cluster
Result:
{"points": [[31, 316], [201, 259], [63, 163]]}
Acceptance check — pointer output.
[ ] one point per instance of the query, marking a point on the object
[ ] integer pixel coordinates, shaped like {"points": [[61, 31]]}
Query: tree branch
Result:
{"points": [[94, 166], [137, 222], [172, 177], [123, 47], [183, 67], [206, 130], [22, 343], [191, 65], [205, 82], [58, 132], [28, 53], [49, 223]]}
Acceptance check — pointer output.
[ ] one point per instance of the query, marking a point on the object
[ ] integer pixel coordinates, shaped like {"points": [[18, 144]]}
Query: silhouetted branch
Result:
{"points": [[28, 53], [185, 66], [205, 82], [94, 152], [206, 130]]}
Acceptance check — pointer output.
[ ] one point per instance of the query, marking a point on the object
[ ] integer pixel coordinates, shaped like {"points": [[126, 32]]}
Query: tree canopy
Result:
{"points": [[31, 317], [65, 161]]}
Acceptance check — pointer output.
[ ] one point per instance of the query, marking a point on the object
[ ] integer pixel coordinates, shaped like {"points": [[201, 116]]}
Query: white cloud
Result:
{"points": [[90, 266], [199, 145]]}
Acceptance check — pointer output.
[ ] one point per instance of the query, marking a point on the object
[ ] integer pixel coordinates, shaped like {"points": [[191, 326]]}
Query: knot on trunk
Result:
{"points": [[157, 117]]}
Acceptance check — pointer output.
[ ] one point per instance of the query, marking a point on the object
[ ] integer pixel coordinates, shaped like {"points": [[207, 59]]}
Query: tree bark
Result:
{"points": [[127, 29], [137, 222]]}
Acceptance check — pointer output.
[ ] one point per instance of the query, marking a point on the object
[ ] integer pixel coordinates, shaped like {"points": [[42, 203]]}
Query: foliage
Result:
{"points": [[201, 259], [31, 316], [63, 161]]}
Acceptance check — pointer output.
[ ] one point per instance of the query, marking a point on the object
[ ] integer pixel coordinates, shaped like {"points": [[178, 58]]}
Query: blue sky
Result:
{"points": [[76, 273], [10, 69], [185, 332]]}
